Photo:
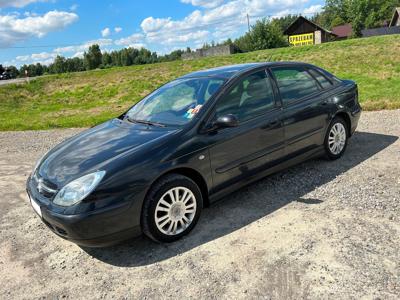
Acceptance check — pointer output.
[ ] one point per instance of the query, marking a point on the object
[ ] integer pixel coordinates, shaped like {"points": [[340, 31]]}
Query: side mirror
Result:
{"points": [[226, 121]]}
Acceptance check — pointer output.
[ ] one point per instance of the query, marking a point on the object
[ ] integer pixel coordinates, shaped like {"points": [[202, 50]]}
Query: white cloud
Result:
{"points": [[44, 58], [153, 24], [14, 29], [221, 20], [68, 51], [17, 3], [199, 36], [204, 3], [313, 9], [117, 29], [74, 7], [78, 54], [84, 46], [105, 32], [137, 45], [135, 38], [22, 58]]}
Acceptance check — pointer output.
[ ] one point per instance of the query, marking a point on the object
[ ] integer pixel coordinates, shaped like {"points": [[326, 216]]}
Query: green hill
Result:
{"points": [[87, 98]]}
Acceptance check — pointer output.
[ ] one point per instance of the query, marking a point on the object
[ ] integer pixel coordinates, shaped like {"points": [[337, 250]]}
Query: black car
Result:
{"points": [[187, 144], [5, 76]]}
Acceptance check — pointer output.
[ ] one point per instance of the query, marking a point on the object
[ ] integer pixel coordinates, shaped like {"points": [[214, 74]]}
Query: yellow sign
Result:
{"points": [[301, 39]]}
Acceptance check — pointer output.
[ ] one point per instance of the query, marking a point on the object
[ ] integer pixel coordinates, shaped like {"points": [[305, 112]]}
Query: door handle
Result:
{"points": [[271, 124], [325, 102]]}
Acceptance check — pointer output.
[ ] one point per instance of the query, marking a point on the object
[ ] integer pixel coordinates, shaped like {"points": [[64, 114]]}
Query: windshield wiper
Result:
{"points": [[146, 122]]}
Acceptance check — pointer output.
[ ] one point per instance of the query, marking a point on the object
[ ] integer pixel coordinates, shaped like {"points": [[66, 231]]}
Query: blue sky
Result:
{"points": [[37, 30]]}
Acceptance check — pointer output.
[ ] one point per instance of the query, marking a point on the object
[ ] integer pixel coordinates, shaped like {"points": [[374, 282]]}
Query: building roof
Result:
{"points": [[341, 31], [301, 20], [395, 17]]}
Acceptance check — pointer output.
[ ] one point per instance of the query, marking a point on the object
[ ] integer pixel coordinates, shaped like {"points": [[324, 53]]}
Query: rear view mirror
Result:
{"points": [[226, 121]]}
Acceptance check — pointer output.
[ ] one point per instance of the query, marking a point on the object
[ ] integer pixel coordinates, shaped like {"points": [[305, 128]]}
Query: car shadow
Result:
{"points": [[248, 204]]}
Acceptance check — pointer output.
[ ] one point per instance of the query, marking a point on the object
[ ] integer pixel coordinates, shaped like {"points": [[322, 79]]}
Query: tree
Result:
{"points": [[337, 21], [92, 59], [244, 43], [116, 58], [74, 64], [106, 60], [265, 34], [13, 71], [58, 66], [360, 13], [285, 21], [2, 69]]}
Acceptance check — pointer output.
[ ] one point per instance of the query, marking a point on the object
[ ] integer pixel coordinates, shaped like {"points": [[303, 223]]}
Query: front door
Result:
{"points": [[257, 142]]}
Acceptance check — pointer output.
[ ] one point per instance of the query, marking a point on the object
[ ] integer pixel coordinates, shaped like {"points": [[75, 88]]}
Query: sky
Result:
{"points": [[34, 31]]}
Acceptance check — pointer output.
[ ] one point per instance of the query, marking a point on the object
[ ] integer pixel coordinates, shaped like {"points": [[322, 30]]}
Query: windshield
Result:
{"points": [[175, 103]]}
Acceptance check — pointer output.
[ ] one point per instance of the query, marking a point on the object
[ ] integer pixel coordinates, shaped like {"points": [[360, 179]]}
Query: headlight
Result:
{"points": [[78, 189]]}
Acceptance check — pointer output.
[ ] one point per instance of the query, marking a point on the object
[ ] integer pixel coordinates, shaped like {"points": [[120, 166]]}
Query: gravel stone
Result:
{"points": [[320, 230]]}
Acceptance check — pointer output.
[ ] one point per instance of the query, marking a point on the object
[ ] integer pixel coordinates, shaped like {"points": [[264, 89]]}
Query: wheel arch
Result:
{"points": [[344, 115], [193, 175]]}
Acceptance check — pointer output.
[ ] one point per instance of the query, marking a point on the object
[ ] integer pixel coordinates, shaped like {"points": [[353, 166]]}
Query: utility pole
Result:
{"points": [[248, 22]]}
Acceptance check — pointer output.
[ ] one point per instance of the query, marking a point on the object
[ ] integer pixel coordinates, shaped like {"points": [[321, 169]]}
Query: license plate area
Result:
{"points": [[36, 207]]}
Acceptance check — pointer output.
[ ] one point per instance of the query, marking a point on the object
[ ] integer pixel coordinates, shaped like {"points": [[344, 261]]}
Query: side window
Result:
{"points": [[212, 87], [250, 97], [294, 83], [325, 83]]}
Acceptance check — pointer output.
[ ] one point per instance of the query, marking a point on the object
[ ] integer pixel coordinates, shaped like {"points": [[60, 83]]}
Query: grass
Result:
{"points": [[88, 98]]}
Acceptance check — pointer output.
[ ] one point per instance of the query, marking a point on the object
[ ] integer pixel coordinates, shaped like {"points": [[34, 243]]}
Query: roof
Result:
{"points": [[395, 17], [292, 27], [225, 71], [228, 72], [345, 30]]}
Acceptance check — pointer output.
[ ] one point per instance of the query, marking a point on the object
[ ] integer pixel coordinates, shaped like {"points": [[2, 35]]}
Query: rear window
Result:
{"points": [[294, 83], [325, 83]]}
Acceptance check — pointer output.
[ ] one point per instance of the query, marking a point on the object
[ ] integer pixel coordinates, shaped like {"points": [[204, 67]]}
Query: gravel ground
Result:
{"points": [[318, 230], [10, 81]]}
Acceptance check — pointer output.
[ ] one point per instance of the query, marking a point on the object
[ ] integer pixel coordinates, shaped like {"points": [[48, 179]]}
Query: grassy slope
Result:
{"points": [[87, 98]]}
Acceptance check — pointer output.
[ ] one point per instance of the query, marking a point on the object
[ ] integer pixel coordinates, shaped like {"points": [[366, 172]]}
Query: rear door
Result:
{"points": [[257, 142], [306, 108]]}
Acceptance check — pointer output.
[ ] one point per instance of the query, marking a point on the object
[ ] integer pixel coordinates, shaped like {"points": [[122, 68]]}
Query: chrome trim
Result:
{"points": [[41, 186]]}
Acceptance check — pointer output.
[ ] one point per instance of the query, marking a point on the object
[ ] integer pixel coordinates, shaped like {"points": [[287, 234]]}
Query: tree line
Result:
{"points": [[264, 34], [361, 14], [92, 59]]}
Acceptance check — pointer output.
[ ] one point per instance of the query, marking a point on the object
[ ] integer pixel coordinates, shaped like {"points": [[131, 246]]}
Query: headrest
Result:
{"points": [[255, 87]]}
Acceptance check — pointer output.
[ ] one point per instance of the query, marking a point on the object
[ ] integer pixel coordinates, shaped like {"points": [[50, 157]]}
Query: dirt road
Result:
{"points": [[318, 230], [10, 81]]}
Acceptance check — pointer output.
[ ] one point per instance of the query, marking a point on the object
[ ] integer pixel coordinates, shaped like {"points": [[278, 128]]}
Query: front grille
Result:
{"points": [[44, 187]]}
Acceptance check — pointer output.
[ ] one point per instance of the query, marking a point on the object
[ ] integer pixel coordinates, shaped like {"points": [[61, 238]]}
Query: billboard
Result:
{"points": [[301, 39]]}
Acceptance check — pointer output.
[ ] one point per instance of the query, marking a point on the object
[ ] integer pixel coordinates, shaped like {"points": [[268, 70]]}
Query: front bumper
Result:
{"points": [[98, 228]]}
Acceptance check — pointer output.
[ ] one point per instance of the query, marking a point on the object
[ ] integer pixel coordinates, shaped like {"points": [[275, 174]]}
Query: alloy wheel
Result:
{"points": [[175, 210], [337, 138]]}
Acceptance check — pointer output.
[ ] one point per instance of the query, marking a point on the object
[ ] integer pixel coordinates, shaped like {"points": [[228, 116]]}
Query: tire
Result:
{"points": [[156, 212], [336, 138]]}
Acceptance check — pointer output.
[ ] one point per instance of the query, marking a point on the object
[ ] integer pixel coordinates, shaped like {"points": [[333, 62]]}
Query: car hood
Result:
{"points": [[90, 150]]}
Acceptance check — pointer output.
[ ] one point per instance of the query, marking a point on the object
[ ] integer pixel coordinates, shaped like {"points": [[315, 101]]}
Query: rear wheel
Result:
{"points": [[172, 208], [336, 138]]}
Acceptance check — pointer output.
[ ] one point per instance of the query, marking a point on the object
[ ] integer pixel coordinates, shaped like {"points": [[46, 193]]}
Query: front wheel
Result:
{"points": [[336, 138], [172, 208]]}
